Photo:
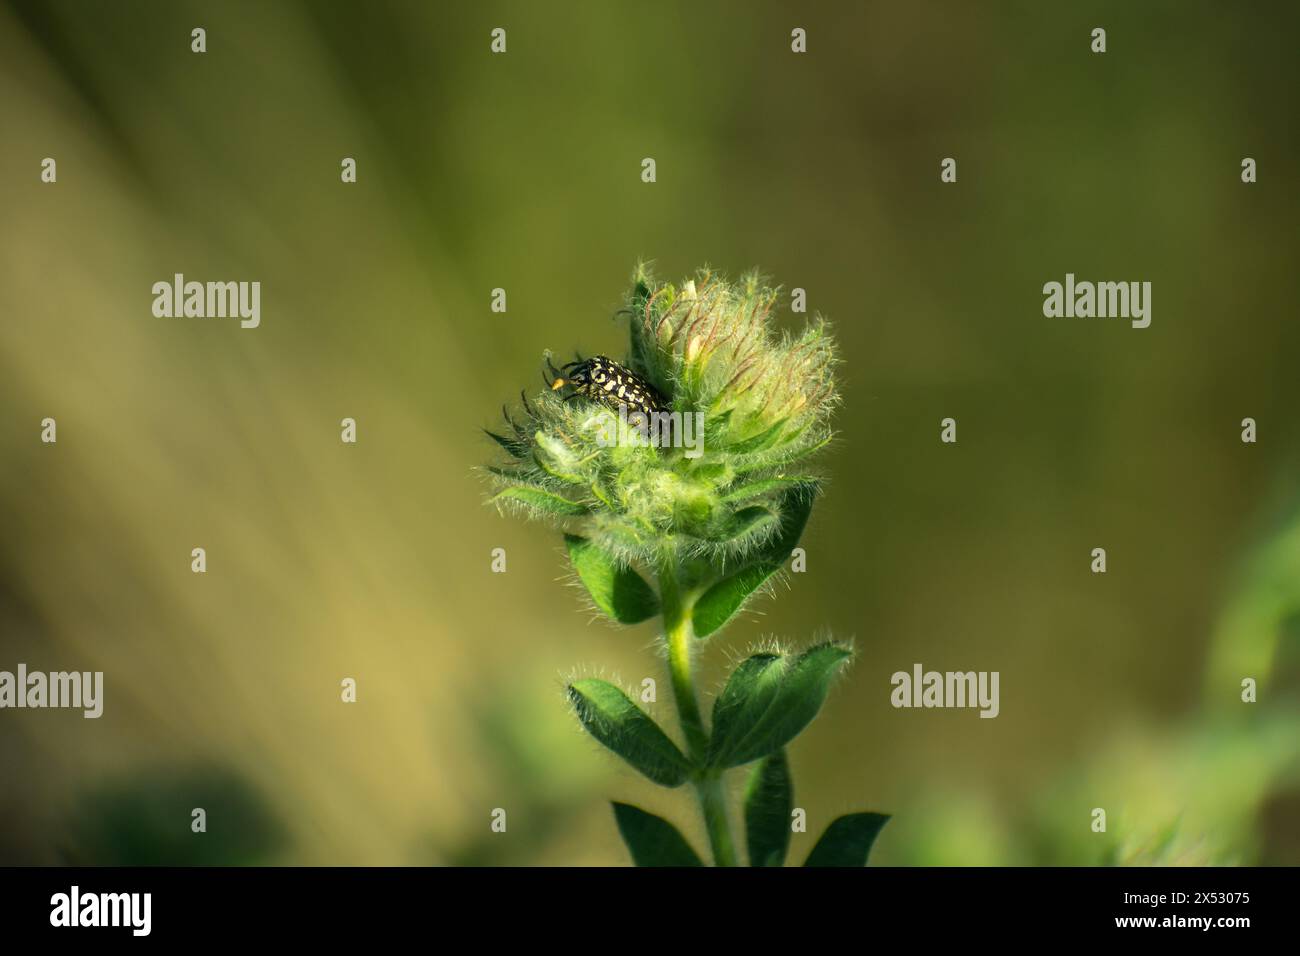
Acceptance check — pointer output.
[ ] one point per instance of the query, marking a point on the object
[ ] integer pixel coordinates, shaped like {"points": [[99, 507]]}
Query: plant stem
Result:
{"points": [[679, 635], [713, 801]]}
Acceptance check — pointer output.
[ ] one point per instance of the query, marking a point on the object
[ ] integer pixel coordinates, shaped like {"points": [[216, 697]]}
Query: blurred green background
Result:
{"points": [[522, 171]]}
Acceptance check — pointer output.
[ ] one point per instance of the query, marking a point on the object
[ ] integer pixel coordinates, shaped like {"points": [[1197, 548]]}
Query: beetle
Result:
{"points": [[600, 379]]}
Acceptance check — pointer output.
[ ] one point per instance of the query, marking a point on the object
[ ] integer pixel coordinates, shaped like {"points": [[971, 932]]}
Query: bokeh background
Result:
{"points": [[522, 171]]}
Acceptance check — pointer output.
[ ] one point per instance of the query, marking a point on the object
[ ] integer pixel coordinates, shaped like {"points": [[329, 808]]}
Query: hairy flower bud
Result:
{"points": [[709, 476]]}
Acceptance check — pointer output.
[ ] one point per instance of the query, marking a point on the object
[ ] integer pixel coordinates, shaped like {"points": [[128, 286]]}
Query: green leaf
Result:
{"points": [[768, 700], [743, 522], [640, 292], [794, 448], [847, 841], [765, 486], [556, 459], [800, 451], [715, 428], [796, 506], [543, 501], [618, 591], [720, 603], [750, 692], [624, 728], [508, 474], [692, 514], [769, 799], [652, 840], [514, 448], [723, 599], [764, 439]]}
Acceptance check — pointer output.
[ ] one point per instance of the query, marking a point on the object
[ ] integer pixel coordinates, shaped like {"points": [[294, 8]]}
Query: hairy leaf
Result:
{"points": [[764, 439], [617, 590], [721, 602], [744, 522], [724, 598], [514, 448], [543, 501], [624, 728], [768, 700], [765, 486]]}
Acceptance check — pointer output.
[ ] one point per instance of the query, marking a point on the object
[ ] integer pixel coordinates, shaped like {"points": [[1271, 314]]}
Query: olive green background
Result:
{"points": [[522, 171]]}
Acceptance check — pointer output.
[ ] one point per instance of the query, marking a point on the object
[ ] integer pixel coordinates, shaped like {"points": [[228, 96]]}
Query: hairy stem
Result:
{"points": [[679, 635]]}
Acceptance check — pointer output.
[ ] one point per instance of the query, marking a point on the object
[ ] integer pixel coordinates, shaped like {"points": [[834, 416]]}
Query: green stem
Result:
{"points": [[713, 801], [679, 634]]}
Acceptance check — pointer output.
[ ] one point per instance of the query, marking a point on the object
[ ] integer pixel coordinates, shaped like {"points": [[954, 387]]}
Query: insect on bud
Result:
{"points": [[616, 450]]}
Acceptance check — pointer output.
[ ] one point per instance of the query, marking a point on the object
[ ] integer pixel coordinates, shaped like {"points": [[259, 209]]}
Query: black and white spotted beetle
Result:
{"points": [[600, 379]]}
